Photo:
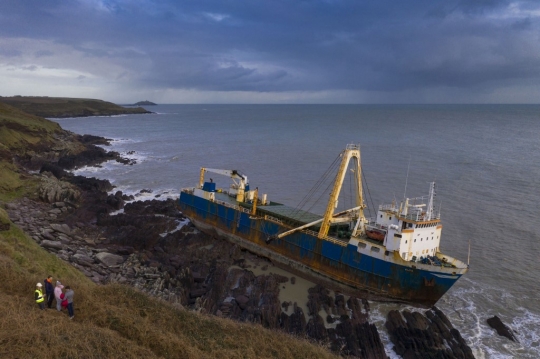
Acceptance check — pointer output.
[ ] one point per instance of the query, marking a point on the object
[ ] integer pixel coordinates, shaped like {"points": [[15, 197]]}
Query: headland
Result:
{"points": [[62, 107]]}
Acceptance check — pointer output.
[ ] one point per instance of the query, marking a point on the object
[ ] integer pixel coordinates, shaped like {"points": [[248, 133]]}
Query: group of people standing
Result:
{"points": [[63, 299]]}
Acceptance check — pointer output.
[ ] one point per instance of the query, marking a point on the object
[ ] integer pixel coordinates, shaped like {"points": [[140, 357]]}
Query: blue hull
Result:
{"points": [[364, 272]]}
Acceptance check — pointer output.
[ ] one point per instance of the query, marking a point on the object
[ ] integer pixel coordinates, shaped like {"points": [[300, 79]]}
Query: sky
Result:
{"points": [[272, 51]]}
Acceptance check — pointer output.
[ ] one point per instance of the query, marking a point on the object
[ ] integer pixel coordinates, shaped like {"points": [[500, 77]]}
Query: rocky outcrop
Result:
{"points": [[501, 328], [53, 190], [426, 336]]}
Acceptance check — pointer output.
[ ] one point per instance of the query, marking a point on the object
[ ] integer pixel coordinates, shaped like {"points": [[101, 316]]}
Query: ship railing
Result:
{"points": [[419, 217], [310, 232], [373, 224], [233, 206], [388, 207], [326, 238], [273, 219]]}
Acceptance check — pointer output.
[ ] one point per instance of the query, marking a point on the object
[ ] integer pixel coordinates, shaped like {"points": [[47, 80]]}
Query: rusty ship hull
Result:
{"points": [[361, 267]]}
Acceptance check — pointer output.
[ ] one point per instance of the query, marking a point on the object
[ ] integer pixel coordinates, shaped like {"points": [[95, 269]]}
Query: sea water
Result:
{"points": [[485, 160]]}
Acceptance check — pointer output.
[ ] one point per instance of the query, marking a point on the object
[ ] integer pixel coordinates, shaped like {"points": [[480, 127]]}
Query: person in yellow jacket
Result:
{"points": [[38, 296]]}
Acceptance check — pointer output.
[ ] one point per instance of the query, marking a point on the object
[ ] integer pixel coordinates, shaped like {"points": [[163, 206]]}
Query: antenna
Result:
{"points": [[469, 255], [407, 179]]}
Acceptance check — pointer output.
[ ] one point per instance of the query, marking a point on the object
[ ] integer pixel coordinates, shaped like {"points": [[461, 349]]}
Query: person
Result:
{"points": [[57, 293], [69, 297], [38, 296], [49, 291]]}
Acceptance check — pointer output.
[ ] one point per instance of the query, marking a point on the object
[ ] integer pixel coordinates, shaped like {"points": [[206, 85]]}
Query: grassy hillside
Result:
{"points": [[22, 135], [59, 107], [116, 321], [112, 320]]}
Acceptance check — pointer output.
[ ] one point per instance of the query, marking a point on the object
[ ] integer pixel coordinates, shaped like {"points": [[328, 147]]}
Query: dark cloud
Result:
{"points": [[274, 46], [43, 53]]}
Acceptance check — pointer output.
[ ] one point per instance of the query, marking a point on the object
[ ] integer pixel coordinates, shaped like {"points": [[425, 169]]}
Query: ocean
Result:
{"points": [[485, 160]]}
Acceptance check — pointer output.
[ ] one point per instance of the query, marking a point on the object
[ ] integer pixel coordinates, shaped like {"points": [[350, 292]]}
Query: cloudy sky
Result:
{"points": [[272, 51]]}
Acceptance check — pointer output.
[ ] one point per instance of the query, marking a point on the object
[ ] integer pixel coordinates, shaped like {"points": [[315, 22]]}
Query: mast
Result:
{"points": [[429, 211], [255, 199], [350, 152]]}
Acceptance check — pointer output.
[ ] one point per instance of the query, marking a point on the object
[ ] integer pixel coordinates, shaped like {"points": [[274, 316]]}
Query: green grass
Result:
{"points": [[67, 107], [115, 320]]}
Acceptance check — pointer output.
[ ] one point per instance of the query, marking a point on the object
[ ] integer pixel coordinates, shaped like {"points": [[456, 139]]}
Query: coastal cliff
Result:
{"points": [[137, 266], [60, 107]]}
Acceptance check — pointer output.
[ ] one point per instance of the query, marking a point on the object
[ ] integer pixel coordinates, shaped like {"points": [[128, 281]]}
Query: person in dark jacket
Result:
{"points": [[49, 291]]}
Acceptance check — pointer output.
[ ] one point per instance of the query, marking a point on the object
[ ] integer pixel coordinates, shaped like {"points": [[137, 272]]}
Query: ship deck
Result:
{"points": [[290, 215]]}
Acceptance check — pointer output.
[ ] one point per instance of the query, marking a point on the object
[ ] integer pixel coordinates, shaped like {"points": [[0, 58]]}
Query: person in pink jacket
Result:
{"points": [[57, 294]]}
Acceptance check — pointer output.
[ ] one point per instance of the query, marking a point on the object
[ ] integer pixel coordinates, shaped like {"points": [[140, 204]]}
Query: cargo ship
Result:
{"points": [[395, 256]]}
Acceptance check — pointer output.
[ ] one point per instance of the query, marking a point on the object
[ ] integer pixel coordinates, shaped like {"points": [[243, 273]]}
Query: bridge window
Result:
{"points": [[375, 249]]}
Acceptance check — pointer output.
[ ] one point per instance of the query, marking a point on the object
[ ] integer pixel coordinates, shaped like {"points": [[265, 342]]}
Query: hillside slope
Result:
{"points": [[116, 321], [110, 320]]}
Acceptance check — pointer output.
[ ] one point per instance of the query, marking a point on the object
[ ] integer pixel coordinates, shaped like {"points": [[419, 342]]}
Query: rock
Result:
{"points": [[52, 190], [198, 278], [501, 328], [242, 301], [196, 293], [62, 228], [48, 235], [429, 336], [51, 244], [83, 260], [315, 328], [110, 259]]}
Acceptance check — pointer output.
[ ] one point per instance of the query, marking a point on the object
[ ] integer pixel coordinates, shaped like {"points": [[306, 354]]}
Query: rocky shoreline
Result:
{"points": [[151, 246]]}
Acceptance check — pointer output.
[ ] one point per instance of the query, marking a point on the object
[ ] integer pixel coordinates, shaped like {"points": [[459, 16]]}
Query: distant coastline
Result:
{"points": [[63, 107], [143, 103]]}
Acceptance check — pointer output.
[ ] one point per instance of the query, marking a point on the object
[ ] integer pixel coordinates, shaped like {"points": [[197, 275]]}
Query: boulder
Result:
{"points": [[83, 260], [52, 190], [242, 301], [109, 259], [51, 244], [501, 328], [62, 228]]}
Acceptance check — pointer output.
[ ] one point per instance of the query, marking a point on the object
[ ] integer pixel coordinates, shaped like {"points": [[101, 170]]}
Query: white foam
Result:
{"points": [[114, 213], [181, 223]]}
